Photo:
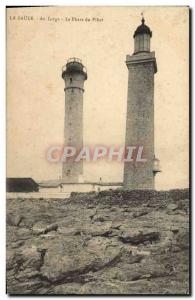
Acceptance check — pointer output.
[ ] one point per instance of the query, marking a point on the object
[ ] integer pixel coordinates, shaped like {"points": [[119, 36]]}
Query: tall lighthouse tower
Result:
{"points": [[140, 111], [74, 75]]}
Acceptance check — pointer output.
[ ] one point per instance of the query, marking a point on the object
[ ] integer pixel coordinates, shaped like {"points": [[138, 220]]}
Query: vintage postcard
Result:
{"points": [[98, 150]]}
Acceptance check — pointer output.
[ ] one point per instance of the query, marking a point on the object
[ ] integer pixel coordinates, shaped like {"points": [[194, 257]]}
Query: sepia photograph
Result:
{"points": [[97, 146]]}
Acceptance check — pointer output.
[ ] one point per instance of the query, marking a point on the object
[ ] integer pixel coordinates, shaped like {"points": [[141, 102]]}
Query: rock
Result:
{"points": [[141, 213], [26, 262], [172, 206], [98, 229], [113, 242], [69, 231], [51, 228], [101, 288], [39, 227], [28, 286], [76, 261], [15, 234], [14, 220], [67, 289], [99, 219], [42, 228], [135, 237]]}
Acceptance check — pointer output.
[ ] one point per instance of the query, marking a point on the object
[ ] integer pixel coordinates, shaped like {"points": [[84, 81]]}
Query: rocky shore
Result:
{"points": [[111, 242]]}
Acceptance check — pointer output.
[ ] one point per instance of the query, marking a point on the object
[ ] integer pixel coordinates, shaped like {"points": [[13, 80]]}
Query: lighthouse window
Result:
{"points": [[141, 42], [146, 42], [136, 43], [70, 80], [68, 172]]}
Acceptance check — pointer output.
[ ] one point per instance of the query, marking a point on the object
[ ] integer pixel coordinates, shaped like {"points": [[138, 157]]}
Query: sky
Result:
{"points": [[37, 49]]}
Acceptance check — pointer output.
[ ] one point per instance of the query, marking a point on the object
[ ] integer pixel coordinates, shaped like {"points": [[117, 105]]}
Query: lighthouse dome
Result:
{"points": [[143, 29]]}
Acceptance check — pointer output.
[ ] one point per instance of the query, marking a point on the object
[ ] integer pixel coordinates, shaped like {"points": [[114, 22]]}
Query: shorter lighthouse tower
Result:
{"points": [[74, 75], [140, 111]]}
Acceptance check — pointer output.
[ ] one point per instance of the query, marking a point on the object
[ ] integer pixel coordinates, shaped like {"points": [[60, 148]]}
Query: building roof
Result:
{"points": [[21, 184], [58, 182]]}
